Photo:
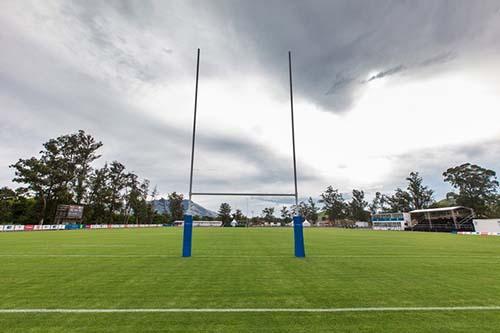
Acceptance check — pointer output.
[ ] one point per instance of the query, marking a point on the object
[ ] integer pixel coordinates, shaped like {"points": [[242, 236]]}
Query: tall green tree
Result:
{"points": [[378, 204], [99, 194], [285, 214], [224, 214], [477, 186], [36, 176], [268, 214], [308, 210], [333, 204], [85, 148], [117, 181], [400, 201], [175, 206], [357, 206], [238, 215], [420, 195], [7, 198]]}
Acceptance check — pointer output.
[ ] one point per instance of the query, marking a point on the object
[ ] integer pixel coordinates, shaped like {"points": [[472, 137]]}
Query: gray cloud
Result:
{"points": [[431, 163], [330, 39], [389, 72], [108, 50]]}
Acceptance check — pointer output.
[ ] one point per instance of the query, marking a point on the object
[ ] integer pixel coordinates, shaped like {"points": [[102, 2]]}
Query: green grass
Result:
{"points": [[248, 268]]}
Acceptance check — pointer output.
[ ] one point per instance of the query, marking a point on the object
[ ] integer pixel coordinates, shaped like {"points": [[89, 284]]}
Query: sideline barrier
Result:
{"points": [[478, 233], [57, 227]]}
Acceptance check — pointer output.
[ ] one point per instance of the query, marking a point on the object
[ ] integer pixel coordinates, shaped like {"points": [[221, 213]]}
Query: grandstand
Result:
{"points": [[445, 219]]}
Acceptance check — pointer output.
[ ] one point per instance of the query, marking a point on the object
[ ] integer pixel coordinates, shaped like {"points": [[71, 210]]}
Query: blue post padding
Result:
{"points": [[298, 235], [188, 236]]}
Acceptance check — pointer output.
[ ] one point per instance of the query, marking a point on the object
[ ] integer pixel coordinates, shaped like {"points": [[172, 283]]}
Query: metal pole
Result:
{"points": [[194, 131], [187, 238], [293, 130], [298, 229]]}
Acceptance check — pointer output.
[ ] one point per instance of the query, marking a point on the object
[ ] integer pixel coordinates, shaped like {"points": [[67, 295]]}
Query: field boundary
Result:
{"points": [[249, 310], [97, 255]]}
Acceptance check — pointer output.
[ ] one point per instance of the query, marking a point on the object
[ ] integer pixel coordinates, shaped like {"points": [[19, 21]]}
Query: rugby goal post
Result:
{"points": [[298, 231]]}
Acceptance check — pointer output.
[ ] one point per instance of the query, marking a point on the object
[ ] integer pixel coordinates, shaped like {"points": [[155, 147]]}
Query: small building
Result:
{"points": [[390, 221], [306, 223], [180, 223], [362, 224], [234, 223], [444, 219], [487, 225]]}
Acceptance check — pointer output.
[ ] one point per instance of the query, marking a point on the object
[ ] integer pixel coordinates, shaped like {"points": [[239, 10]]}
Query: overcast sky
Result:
{"points": [[382, 88]]}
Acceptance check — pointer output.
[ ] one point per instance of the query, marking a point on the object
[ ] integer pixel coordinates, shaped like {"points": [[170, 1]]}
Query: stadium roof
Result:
{"points": [[442, 209]]}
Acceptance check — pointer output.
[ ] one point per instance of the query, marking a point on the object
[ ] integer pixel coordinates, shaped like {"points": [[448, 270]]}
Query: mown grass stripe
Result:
{"points": [[215, 310]]}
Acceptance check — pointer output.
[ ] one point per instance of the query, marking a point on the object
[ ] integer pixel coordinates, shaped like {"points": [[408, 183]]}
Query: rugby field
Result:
{"points": [[247, 280]]}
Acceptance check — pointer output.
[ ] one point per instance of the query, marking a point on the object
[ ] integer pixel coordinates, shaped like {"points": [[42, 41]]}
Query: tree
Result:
{"points": [[357, 206], [421, 196], [477, 186], [333, 204], [35, 174], [308, 210], [7, 198], [238, 215], [286, 215], [400, 201], [117, 182], [81, 149], [268, 214], [224, 214], [175, 206], [99, 195], [379, 203]]}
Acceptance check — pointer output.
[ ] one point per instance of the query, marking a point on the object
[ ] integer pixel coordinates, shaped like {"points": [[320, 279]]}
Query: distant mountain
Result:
{"points": [[161, 206]]}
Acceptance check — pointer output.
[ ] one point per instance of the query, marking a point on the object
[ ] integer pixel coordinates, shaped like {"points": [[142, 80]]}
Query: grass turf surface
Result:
{"points": [[248, 268]]}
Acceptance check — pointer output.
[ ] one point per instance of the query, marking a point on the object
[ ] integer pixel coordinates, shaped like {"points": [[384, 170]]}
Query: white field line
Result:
{"points": [[249, 310], [90, 255]]}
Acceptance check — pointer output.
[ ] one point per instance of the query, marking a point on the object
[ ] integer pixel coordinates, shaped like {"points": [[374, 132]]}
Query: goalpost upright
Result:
{"points": [[188, 218]]}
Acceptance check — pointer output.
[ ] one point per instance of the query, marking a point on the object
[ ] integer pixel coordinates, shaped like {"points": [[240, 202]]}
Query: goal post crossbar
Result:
{"points": [[232, 194]]}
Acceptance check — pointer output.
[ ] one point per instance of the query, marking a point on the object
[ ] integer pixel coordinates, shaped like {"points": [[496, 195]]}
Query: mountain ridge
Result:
{"points": [[161, 205]]}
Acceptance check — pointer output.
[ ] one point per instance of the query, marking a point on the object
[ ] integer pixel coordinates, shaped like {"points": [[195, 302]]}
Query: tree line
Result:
{"points": [[64, 173], [475, 187]]}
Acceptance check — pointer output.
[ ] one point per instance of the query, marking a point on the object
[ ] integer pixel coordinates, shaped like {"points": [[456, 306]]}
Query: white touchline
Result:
{"points": [[369, 309], [27, 255]]}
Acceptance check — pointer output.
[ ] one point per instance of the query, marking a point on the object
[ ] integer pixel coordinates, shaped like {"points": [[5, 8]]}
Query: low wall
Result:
{"points": [[56, 227]]}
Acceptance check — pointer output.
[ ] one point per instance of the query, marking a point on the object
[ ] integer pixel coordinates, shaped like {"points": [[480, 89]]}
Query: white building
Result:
{"points": [[391, 221], [362, 224], [200, 223], [487, 225]]}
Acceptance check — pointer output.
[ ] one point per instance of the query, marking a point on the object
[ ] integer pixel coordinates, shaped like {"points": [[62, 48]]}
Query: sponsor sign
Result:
{"points": [[29, 227]]}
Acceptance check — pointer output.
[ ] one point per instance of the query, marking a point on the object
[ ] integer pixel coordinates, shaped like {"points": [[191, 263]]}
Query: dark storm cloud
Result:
{"points": [[389, 72], [343, 41], [335, 44]]}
